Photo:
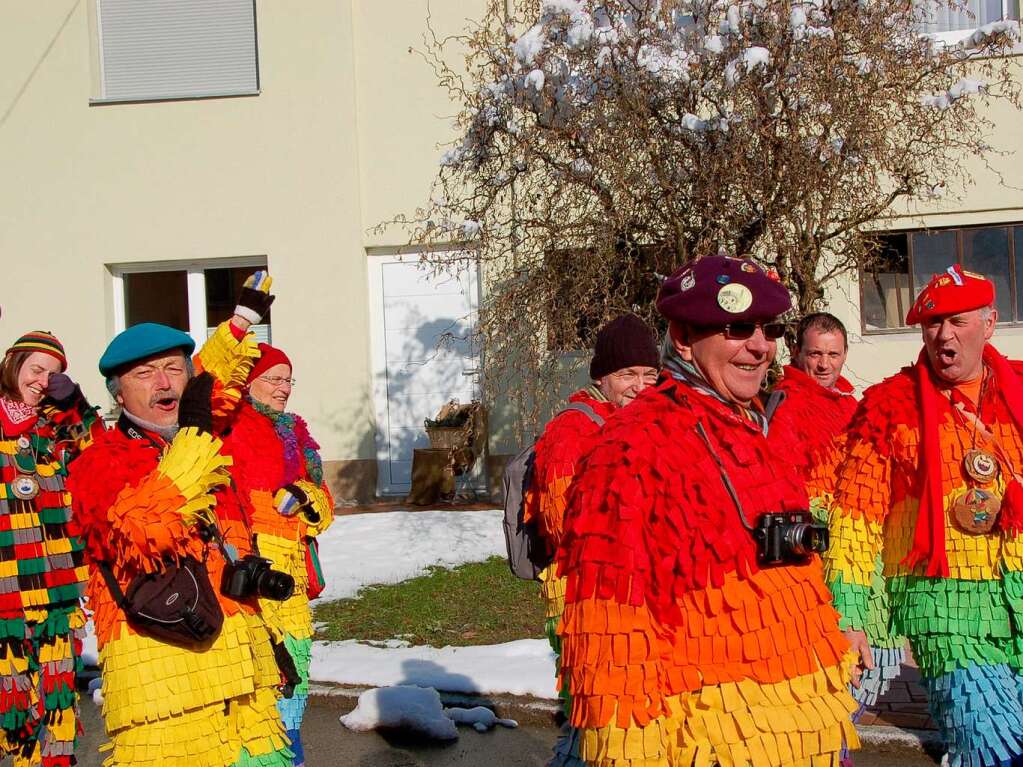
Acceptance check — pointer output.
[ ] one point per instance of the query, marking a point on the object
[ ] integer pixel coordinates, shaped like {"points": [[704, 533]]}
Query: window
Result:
{"points": [[904, 262], [941, 16], [171, 49], [194, 298]]}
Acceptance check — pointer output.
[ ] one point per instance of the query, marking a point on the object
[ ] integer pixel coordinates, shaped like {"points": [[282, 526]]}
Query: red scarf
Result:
{"points": [[929, 537], [16, 417]]}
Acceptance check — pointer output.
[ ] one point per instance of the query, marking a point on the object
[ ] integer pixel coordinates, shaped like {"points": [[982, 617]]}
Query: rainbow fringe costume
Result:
{"points": [[565, 440], [820, 418], [677, 649], [271, 450], [964, 627], [134, 504], [42, 578]]}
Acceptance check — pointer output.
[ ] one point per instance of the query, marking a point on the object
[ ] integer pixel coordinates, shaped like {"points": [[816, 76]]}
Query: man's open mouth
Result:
{"points": [[166, 404]]}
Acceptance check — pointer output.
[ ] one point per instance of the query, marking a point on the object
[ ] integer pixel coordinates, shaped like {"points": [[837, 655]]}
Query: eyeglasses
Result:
{"points": [[741, 331], [277, 380]]}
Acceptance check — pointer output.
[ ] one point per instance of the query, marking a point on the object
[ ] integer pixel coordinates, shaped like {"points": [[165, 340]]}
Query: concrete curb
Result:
{"points": [[540, 712]]}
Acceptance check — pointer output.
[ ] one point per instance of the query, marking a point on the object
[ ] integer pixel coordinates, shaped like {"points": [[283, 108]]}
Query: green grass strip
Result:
{"points": [[474, 604]]}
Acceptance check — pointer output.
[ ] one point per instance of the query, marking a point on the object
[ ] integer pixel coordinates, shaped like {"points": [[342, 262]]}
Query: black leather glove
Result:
{"points": [[62, 392], [195, 407]]}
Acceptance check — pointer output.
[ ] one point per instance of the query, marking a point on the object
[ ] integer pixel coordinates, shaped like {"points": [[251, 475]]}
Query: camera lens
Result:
{"points": [[804, 539], [273, 584]]}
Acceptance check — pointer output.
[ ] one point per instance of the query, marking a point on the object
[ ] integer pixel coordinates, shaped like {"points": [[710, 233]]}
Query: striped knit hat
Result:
{"points": [[41, 341]]}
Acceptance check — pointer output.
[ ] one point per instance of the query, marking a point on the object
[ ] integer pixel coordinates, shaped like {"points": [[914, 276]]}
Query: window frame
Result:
{"points": [[1009, 226], [195, 280], [956, 36]]}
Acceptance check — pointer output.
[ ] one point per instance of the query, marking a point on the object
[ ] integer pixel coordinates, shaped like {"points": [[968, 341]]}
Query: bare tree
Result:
{"points": [[603, 143]]}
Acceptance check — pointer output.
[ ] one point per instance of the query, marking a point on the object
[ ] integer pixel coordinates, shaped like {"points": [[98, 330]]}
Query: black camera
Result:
{"points": [[789, 538], [252, 575]]}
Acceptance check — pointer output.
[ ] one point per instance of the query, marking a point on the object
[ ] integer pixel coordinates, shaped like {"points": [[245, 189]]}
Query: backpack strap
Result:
{"points": [[112, 585], [773, 403], [586, 410]]}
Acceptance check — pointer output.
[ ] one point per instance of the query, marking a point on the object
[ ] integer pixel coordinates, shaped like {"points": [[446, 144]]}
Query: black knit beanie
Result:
{"points": [[624, 342]]}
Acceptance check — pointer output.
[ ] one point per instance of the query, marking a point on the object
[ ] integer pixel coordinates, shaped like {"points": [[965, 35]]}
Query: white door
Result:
{"points": [[423, 356]]}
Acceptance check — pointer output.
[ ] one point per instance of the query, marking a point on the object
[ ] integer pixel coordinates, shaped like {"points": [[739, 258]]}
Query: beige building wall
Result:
{"points": [[995, 196], [343, 136]]}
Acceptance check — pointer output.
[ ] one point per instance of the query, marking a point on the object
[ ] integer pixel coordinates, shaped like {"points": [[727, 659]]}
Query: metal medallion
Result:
{"points": [[23, 443], [25, 488], [976, 511], [980, 466]]}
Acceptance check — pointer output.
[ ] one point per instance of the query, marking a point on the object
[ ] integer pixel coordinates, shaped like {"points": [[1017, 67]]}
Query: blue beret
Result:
{"points": [[715, 290], [139, 342]]}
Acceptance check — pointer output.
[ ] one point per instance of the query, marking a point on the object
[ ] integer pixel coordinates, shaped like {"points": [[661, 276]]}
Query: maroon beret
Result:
{"points": [[716, 290]]}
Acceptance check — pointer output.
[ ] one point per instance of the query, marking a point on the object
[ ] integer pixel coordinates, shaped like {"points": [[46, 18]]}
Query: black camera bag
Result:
{"points": [[176, 604]]}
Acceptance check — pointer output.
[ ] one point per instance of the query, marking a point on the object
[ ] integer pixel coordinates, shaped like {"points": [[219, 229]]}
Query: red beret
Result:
{"points": [[715, 290], [950, 292], [268, 357]]}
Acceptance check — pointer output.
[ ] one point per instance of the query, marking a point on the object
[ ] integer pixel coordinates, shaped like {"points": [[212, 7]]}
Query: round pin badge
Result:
{"points": [[980, 466], [25, 488], [735, 298]]}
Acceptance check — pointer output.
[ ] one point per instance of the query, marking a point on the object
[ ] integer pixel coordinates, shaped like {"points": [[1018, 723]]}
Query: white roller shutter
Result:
{"points": [[165, 49]]}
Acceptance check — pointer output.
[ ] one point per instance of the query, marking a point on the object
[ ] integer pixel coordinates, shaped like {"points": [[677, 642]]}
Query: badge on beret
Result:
{"points": [[688, 282], [748, 267], [735, 298]]}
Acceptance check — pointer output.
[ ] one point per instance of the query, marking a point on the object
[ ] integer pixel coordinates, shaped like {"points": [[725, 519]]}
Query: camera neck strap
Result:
{"points": [[725, 479]]}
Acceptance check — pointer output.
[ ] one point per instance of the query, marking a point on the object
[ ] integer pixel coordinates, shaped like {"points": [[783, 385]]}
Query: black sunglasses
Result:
{"points": [[740, 331]]}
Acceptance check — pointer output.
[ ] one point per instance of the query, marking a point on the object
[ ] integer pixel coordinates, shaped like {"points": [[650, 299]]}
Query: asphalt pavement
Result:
{"points": [[328, 743]]}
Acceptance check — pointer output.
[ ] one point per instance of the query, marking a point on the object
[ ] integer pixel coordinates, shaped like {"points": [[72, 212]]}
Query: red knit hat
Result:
{"points": [[41, 341], [953, 291], [268, 357]]}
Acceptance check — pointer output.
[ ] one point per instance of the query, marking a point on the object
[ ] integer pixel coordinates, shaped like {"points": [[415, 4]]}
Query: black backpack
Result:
{"points": [[527, 553]]}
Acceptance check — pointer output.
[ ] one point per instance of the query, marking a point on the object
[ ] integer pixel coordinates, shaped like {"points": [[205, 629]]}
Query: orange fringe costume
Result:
{"points": [[136, 502], [819, 418], [958, 597], [567, 438], [677, 648], [262, 466]]}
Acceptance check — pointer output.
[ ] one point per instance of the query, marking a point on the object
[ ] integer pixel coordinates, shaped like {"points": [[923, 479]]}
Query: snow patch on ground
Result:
{"points": [[419, 709], [90, 651], [404, 707], [523, 667], [480, 717], [391, 547], [96, 690]]}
